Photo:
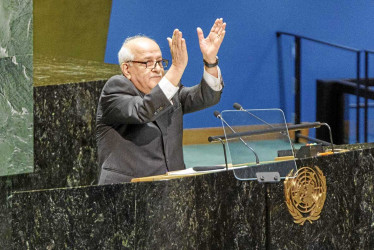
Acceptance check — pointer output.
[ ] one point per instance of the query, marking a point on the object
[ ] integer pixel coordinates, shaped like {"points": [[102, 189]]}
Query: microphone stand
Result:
{"points": [[217, 114], [239, 107]]}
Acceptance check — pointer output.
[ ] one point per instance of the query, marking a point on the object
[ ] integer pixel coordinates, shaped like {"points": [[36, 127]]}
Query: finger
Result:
{"points": [[175, 38], [214, 27], [200, 34], [219, 24], [221, 29], [180, 37], [169, 41], [218, 41], [222, 35], [184, 45]]}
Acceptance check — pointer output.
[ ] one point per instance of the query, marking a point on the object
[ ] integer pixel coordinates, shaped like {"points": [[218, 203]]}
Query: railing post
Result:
{"points": [[297, 84], [282, 93], [366, 95], [358, 59]]}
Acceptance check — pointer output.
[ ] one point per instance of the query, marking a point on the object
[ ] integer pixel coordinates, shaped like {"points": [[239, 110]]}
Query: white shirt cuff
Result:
{"points": [[214, 83], [168, 88]]}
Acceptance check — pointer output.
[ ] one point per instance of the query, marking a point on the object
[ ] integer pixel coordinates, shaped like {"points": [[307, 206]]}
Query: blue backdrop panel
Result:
{"points": [[248, 56]]}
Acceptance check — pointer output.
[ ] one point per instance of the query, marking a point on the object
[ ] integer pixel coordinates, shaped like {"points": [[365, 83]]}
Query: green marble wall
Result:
{"points": [[16, 28], [16, 94]]}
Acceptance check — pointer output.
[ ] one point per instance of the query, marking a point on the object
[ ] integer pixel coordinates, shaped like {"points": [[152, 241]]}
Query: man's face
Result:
{"points": [[144, 79]]}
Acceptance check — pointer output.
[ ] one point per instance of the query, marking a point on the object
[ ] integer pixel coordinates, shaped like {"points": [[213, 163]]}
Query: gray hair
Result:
{"points": [[125, 54]]}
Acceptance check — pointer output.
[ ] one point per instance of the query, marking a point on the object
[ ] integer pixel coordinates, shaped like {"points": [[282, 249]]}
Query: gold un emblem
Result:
{"points": [[305, 194]]}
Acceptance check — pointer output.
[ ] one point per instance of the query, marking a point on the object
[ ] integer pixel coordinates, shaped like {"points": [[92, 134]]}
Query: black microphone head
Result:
{"points": [[237, 106], [216, 114]]}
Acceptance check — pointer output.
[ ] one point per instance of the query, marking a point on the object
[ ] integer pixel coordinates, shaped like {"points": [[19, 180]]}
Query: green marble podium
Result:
{"points": [[211, 211]]}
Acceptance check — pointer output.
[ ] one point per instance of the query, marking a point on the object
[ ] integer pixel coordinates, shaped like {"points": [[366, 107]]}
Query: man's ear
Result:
{"points": [[125, 70]]}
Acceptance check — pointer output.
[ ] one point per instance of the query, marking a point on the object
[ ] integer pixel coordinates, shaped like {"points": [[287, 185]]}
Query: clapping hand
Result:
{"points": [[178, 50], [210, 45], [179, 57]]}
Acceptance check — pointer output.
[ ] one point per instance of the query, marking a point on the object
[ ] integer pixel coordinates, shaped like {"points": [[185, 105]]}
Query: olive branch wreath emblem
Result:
{"points": [[305, 194]]}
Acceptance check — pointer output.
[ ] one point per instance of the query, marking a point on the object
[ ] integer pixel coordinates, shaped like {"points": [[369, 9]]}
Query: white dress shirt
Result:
{"points": [[170, 90]]}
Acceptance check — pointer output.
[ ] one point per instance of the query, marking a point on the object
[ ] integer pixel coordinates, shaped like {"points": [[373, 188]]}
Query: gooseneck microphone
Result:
{"points": [[218, 115], [237, 106]]}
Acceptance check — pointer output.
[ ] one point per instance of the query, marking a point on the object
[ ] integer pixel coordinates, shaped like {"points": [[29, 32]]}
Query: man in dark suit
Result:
{"points": [[140, 113]]}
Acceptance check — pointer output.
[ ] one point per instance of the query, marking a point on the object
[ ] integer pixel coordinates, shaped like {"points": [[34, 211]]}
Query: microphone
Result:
{"points": [[218, 115], [237, 106]]}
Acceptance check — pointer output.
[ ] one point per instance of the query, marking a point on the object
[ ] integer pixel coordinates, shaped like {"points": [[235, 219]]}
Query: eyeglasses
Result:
{"points": [[152, 64]]}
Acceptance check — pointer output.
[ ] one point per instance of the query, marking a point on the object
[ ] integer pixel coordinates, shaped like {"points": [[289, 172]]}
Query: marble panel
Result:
{"points": [[5, 215], [363, 180], [16, 28], [347, 215], [230, 213], [213, 211], [65, 148], [79, 218], [166, 214], [65, 144], [16, 115]]}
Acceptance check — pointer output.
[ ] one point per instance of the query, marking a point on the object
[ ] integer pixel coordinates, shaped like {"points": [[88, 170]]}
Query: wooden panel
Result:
{"points": [[200, 135]]}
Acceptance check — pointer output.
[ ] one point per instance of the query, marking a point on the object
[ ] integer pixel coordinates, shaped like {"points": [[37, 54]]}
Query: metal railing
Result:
{"points": [[366, 114], [297, 72]]}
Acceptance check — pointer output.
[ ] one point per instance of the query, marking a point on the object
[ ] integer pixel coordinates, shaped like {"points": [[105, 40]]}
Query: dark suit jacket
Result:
{"points": [[141, 135]]}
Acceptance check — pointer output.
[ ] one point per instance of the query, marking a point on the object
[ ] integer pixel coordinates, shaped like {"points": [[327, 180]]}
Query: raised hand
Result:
{"points": [[178, 50], [179, 56], [210, 45]]}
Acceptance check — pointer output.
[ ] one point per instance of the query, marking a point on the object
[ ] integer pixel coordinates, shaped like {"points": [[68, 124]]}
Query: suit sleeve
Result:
{"points": [[121, 103], [198, 97]]}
